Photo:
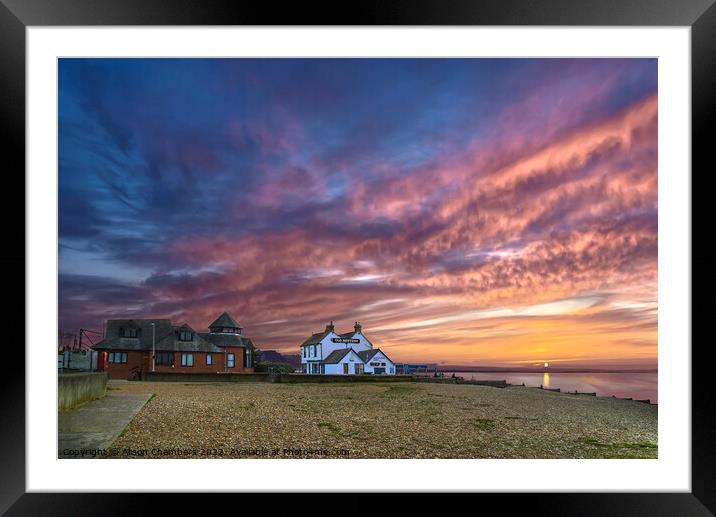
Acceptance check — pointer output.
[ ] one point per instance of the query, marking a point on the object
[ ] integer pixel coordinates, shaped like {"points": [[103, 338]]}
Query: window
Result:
{"points": [[304, 351], [313, 350], [392, 370], [128, 332], [230, 360], [164, 358], [345, 368], [208, 359], [303, 367], [247, 358], [186, 335], [117, 357], [187, 359]]}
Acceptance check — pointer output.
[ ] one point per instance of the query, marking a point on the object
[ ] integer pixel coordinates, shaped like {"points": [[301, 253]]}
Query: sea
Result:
{"points": [[623, 385]]}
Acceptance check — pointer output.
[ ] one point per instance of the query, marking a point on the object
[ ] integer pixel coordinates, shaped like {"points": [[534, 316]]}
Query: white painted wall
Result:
{"points": [[329, 346], [318, 351], [363, 345], [350, 359], [380, 357]]}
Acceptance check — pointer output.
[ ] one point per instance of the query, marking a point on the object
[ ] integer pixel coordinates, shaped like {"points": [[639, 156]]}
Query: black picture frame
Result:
{"points": [[17, 15]]}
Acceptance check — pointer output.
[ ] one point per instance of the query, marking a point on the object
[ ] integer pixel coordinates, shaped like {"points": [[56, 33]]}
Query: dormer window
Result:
{"points": [[131, 332], [186, 335]]}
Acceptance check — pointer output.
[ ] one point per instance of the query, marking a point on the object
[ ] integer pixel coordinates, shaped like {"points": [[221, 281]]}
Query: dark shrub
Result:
{"points": [[266, 366]]}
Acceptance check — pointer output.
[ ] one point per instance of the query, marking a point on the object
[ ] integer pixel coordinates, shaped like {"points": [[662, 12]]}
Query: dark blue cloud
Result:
{"points": [[156, 151]]}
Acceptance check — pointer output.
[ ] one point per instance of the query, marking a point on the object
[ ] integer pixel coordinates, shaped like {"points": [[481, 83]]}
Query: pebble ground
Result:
{"points": [[392, 420]]}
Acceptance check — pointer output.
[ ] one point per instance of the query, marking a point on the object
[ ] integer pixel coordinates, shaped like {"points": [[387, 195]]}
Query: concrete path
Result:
{"points": [[88, 431]]}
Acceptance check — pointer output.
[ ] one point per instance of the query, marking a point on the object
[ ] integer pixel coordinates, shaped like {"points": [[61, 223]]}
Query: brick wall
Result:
{"points": [[142, 362], [135, 361], [182, 376]]}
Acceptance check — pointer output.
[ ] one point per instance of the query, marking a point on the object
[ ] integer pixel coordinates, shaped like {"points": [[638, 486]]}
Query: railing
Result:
{"points": [[134, 373]]}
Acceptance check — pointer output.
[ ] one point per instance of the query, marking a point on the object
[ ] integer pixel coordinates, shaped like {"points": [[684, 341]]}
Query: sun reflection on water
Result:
{"points": [[545, 380]]}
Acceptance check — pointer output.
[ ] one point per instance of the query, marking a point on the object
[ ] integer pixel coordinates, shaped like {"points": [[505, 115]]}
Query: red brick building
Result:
{"points": [[126, 349]]}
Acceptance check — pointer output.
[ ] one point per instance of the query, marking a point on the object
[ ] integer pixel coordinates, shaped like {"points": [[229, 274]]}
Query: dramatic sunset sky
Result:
{"points": [[470, 211]]}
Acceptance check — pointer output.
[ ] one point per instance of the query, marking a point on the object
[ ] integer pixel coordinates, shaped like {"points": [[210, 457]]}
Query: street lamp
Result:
{"points": [[153, 352]]}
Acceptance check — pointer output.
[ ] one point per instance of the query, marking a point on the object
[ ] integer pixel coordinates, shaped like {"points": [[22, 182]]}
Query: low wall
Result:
{"points": [[266, 377], [74, 389], [494, 384], [304, 377], [461, 380], [203, 377], [436, 380]]}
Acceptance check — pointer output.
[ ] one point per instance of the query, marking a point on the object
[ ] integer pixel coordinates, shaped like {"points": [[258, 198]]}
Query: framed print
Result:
{"points": [[297, 249]]}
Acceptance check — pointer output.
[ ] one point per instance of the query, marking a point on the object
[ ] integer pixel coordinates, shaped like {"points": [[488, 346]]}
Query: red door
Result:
{"points": [[101, 361]]}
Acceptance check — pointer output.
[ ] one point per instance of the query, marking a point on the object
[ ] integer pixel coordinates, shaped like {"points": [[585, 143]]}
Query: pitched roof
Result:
{"points": [[113, 340], [316, 338], [337, 355], [224, 340], [353, 333], [225, 320], [171, 342], [367, 355], [165, 337], [366, 339]]}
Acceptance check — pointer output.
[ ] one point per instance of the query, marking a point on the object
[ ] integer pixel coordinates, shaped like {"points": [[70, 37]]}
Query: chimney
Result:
{"points": [[330, 327], [357, 327]]}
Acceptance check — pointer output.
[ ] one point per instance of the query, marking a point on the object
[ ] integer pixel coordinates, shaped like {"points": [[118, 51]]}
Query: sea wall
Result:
{"points": [[304, 377], [461, 380], [74, 389], [266, 377], [203, 377]]}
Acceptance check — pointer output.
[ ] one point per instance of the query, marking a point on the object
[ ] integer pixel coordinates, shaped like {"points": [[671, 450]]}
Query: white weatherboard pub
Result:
{"points": [[343, 354]]}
